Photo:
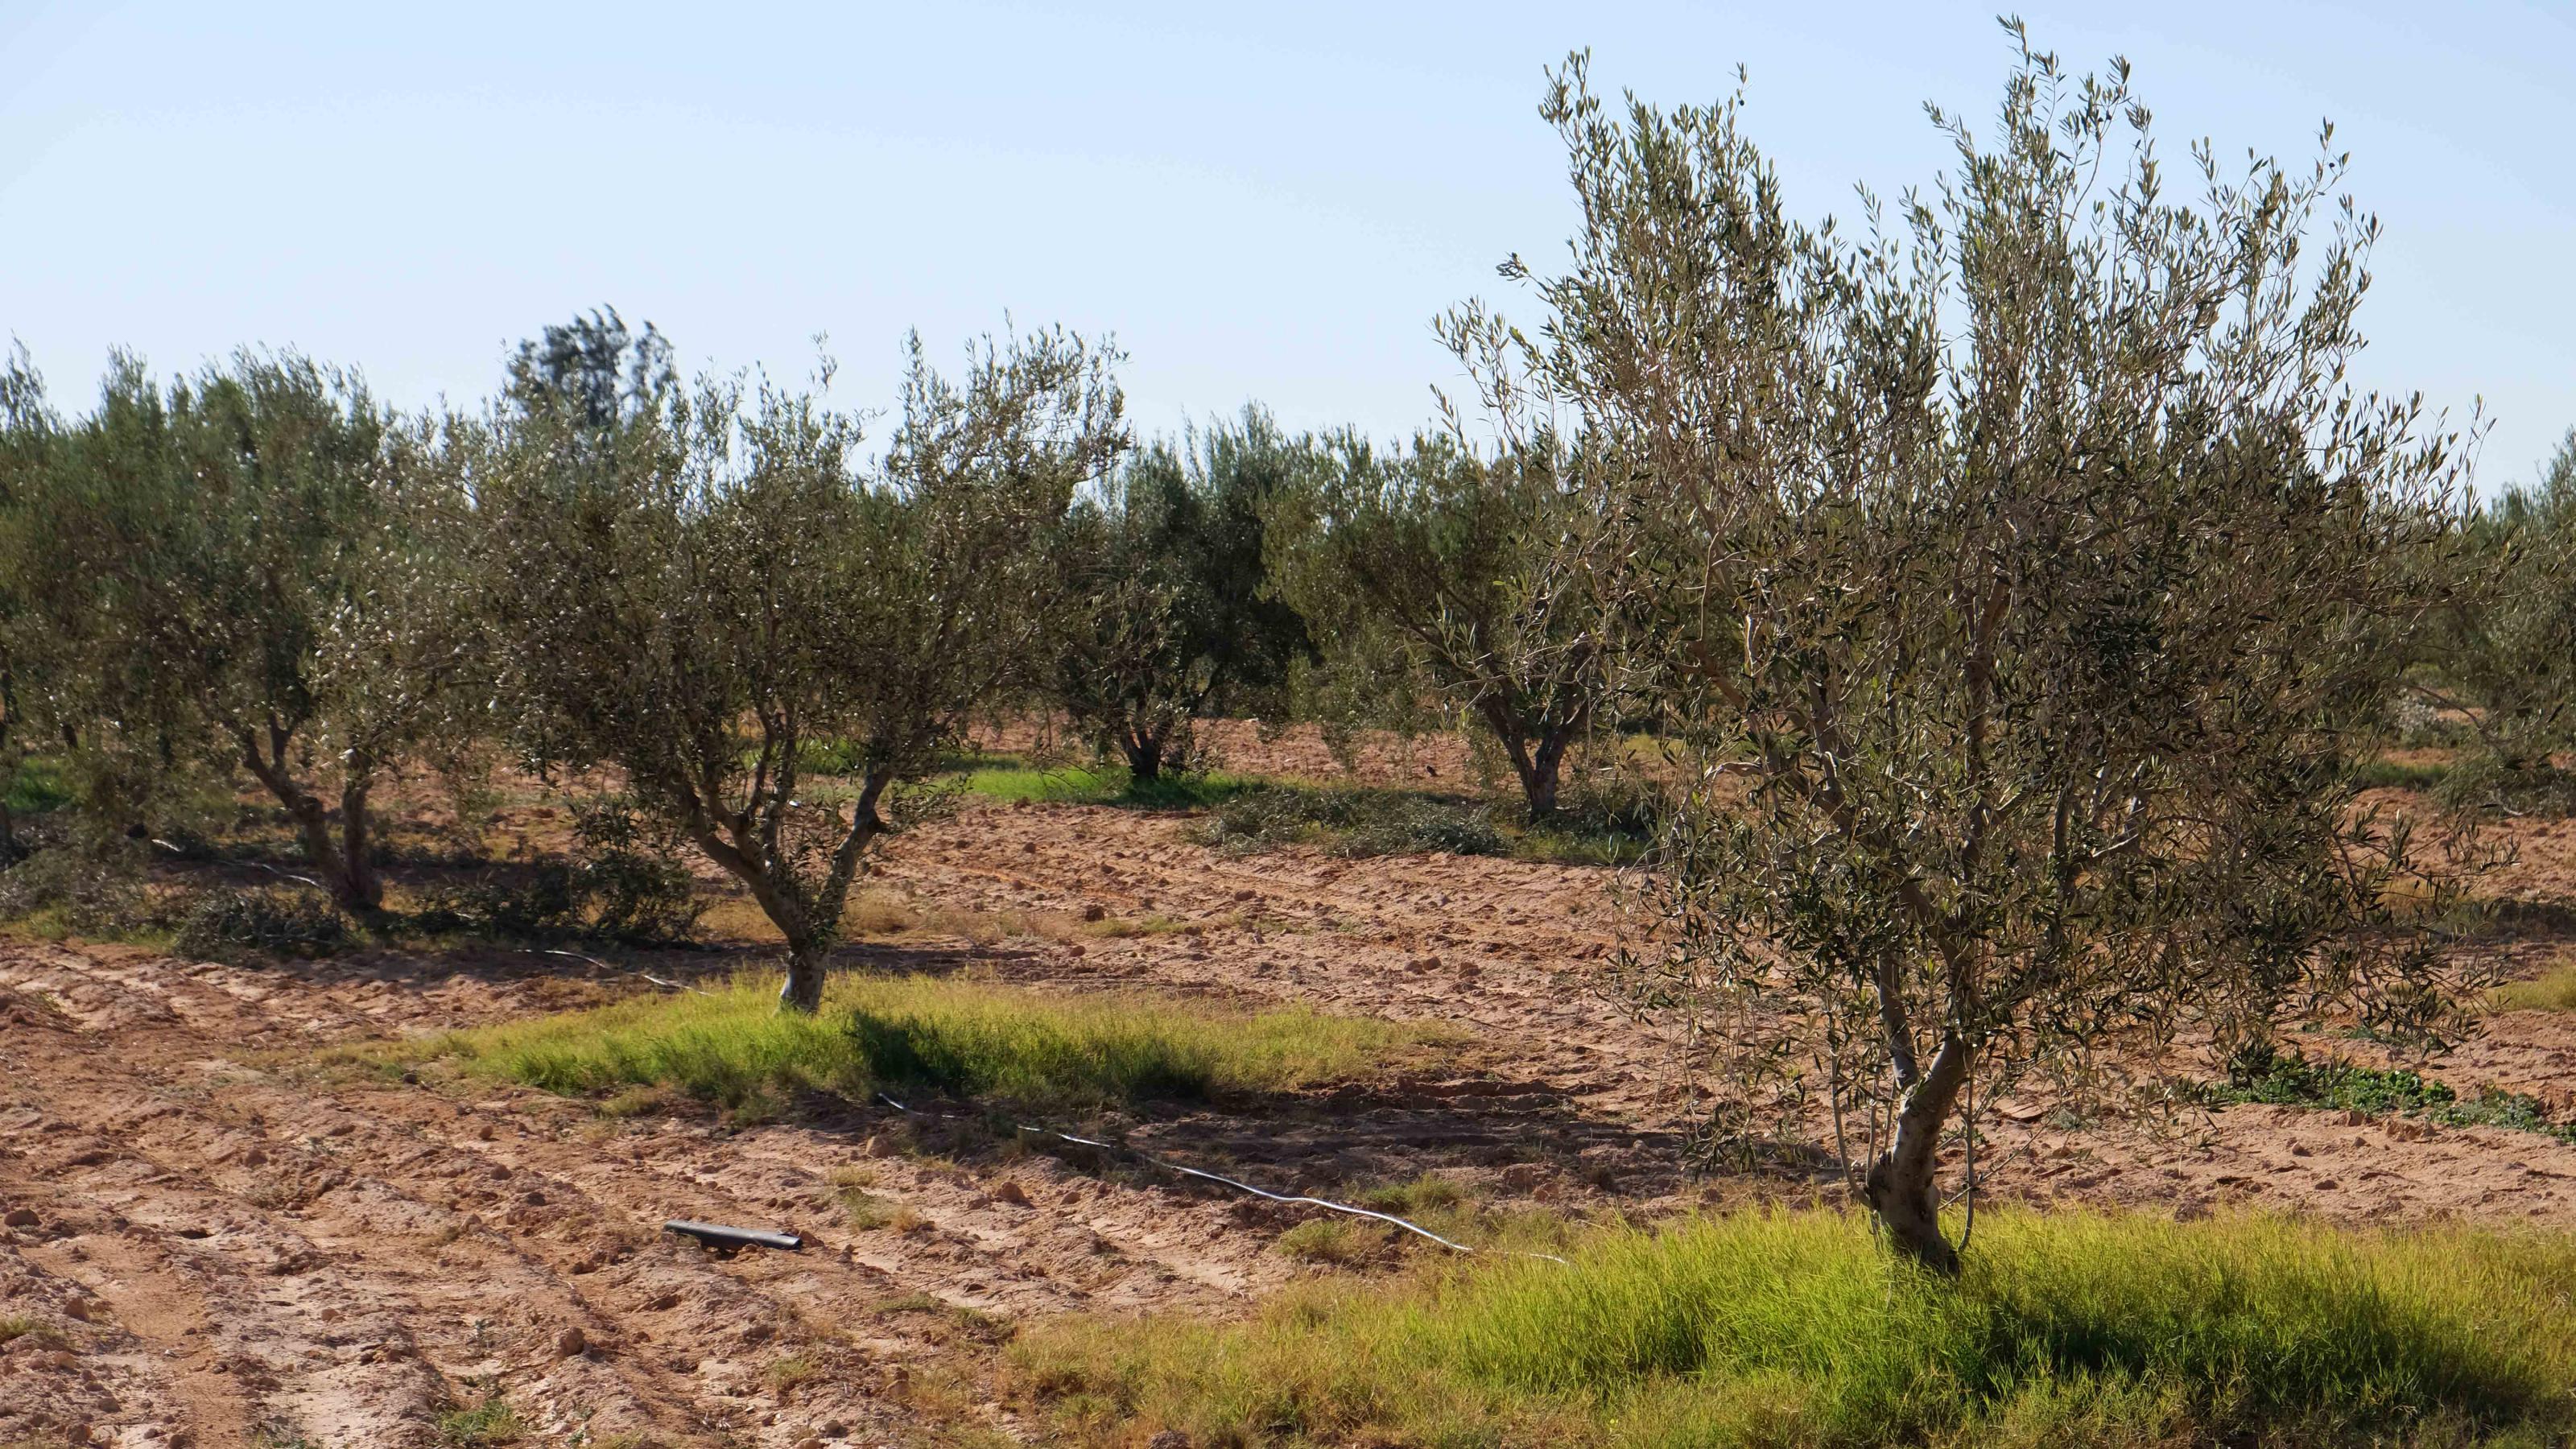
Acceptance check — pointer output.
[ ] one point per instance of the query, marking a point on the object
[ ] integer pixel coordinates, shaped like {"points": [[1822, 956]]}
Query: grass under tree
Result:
{"points": [[735, 1047], [1797, 1329]]}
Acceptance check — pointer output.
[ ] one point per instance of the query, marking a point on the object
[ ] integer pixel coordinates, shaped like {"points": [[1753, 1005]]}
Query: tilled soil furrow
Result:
{"points": [[227, 1244]]}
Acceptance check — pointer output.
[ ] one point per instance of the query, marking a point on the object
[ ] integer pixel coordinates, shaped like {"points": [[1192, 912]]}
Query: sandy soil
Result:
{"points": [[218, 1245]]}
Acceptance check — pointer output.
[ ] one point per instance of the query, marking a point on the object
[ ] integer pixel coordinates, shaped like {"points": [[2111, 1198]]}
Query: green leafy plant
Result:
{"points": [[1168, 613]]}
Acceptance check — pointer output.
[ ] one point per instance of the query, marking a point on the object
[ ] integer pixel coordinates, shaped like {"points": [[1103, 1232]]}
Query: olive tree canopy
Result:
{"points": [[702, 586], [2025, 568], [253, 568], [1453, 562]]}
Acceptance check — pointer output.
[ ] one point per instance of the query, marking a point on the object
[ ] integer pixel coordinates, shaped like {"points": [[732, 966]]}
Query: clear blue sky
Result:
{"points": [[1260, 201]]}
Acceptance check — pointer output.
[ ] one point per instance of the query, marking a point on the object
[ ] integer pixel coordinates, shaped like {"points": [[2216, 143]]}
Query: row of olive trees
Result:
{"points": [[262, 572], [2022, 570], [1428, 574], [247, 570], [260, 569]]}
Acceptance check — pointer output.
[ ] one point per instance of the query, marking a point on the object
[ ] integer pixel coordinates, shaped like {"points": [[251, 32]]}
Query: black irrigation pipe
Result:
{"points": [[717, 1235], [1330, 1206]]}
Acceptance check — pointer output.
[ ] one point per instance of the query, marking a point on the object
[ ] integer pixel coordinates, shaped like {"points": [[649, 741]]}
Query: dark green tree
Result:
{"points": [[1168, 614], [2503, 657]]}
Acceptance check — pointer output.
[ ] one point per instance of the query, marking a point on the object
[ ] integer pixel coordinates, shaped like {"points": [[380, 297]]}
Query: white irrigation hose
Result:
{"points": [[1358, 1212], [619, 970], [257, 865]]}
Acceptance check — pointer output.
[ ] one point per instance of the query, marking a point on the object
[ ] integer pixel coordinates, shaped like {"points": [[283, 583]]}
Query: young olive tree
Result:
{"points": [[1454, 562], [696, 585], [2505, 657], [254, 569], [1167, 612], [2027, 575]]}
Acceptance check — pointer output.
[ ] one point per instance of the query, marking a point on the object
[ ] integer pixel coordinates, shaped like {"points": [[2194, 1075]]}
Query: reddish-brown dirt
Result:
{"points": [[214, 1243]]}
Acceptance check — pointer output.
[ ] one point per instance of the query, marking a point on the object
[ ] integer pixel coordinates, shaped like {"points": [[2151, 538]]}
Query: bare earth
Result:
{"points": [[229, 1247]]}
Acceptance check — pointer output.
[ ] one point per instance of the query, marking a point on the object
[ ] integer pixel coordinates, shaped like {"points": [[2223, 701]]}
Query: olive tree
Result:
{"points": [[1453, 562], [29, 435], [2026, 571], [699, 586], [2504, 657], [1167, 609], [253, 569]]}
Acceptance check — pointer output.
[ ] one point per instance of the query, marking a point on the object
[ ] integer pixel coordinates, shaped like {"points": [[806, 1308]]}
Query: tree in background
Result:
{"points": [[2025, 575], [2504, 657], [29, 436], [1168, 614], [696, 585], [252, 569], [1451, 567]]}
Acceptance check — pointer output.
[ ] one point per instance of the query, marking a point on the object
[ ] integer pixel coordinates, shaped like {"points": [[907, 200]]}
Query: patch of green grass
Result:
{"points": [[784, 1374], [1119, 928], [1355, 821], [1340, 1242], [490, 1422], [1428, 1193], [2401, 775], [1794, 1329], [2554, 991], [39, 786], [865, 1212], [734, 1046], [1013, 782], [2288, 1079], [15, 1326]]}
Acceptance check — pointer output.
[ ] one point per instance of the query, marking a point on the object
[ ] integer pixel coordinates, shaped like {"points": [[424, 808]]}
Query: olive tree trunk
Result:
{"points": [[803, 991], [344, 862], [807, 913], [1899, 1186], [1144, 751], [1536, 749]]}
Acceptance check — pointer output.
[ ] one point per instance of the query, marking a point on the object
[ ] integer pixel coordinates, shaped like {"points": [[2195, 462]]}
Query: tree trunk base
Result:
{"points": [[803, 991], [1912, 1217]]}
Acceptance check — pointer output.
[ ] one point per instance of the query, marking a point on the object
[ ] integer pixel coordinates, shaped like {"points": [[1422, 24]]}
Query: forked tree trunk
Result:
{"points": [[343, 863], [1899, 1186], [1537, 752], [1144, 752], [808, 915]]}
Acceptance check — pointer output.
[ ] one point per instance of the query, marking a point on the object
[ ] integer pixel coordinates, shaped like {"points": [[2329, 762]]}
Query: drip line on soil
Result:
{"points": [[1358, 1212]]}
